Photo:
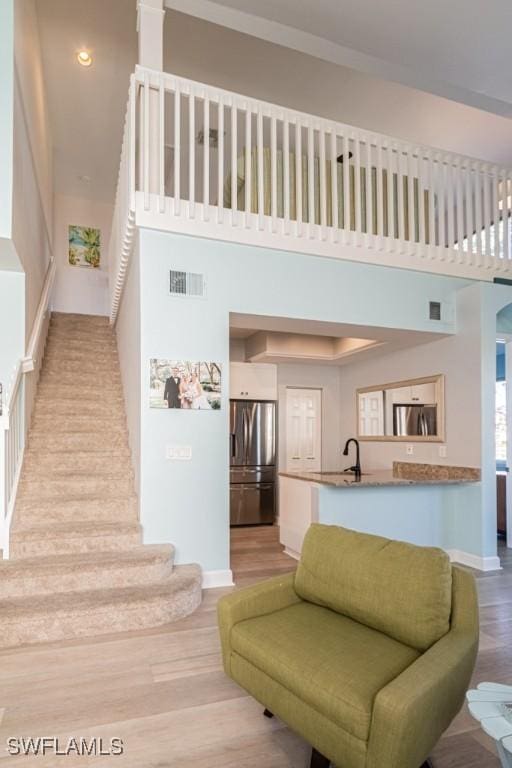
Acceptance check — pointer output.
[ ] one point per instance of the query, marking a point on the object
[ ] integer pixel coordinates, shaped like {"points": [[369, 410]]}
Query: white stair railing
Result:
{"points": [[12, 446], [200, 160], [16, 411]]}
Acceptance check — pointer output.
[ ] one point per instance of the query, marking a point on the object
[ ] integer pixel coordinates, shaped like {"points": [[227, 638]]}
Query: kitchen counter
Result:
{"points": [[419, 503], [376, 478]]}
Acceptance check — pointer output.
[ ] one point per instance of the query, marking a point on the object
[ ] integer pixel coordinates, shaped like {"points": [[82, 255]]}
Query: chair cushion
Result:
{"points": [[331, 662], [400, 589]]}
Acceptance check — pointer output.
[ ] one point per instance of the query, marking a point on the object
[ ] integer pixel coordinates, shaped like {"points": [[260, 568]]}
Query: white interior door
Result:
{"points": [[303, 430], [371, 413]]}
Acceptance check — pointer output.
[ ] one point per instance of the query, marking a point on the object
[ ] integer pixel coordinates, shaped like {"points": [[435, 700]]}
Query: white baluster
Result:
{"points": [[460, 211], [261, 183], [248, 164], [206, 158], [286, 175], [161, 145], [334, 186], [273, 171], [311, 181], [298, 176], [380, 194], [220, 162], [191, 155], [357, 189], [369, 192], [505, 213], [177, 150], [392, 167], [146, 142], [234, 162], [477, 224], [421, 203], [346, 187], [450, 206], [469, 212], [323, 183]]}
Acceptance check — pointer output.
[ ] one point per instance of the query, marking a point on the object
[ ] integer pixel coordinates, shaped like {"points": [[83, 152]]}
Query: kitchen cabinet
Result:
{"points": [[417, 393], [253, 381]]}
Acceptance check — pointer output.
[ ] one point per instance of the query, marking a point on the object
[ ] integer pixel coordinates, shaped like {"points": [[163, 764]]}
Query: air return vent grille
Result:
{"points": [[187, 284], [435, 310]]}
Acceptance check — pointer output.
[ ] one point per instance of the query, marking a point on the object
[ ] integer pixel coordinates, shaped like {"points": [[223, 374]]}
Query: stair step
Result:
{"points": [[34, 512], [79, 367], [77, 422], [57, 342], [103, 361], [48, 406], [68, 538], [96, 462], [52, 387], [76, 381], [71, 318], [76, 441], [87, 463], [75, 486], [144, 564], [29, 620]]}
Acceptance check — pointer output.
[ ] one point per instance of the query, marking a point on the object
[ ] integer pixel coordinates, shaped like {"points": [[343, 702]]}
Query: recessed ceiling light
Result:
{"points": [[85, 179], [84, 58]]}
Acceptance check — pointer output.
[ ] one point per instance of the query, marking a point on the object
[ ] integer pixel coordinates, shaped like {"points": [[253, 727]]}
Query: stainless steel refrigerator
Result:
{"points": [[253, 462], [414, 420]]}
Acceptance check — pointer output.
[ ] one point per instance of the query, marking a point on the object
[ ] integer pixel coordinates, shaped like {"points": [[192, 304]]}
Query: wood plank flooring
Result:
{"points": [[164, 693]]}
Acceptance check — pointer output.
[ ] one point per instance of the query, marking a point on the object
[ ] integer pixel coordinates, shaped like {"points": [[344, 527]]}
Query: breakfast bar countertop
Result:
{"points": [[402, 474]]}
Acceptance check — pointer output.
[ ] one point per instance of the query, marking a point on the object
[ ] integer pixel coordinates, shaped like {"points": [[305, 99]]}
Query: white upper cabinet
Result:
{"points": [[253, 381], [424, 394]]}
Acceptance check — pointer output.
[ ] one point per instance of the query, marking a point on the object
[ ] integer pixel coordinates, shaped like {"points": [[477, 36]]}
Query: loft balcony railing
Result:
{"points": [[200, 160]]}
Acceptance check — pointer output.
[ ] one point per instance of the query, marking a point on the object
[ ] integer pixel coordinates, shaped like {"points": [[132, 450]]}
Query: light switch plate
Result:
{"points": [[442, 451], [178, 452], [409, 449]]}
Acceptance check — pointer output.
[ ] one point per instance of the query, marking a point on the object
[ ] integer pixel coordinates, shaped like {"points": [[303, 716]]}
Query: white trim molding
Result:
{"points": [[214, 579], [474, 561]]}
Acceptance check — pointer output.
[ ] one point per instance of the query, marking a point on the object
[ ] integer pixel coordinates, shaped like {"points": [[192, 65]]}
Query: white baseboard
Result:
{"points": [[292, 553], [475, 561], [213, 579]]}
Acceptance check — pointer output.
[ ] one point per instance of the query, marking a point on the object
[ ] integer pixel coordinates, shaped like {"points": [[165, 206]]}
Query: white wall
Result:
{"points": [[327, 379], [6, 115], [32, 239], [186, 502], [80, 289], [29, 68], [458, 358], [128, 345], [12, 341]]}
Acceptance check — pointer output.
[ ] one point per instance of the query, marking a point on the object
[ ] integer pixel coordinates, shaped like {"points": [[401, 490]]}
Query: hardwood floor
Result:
{"points": [[164, 694]]}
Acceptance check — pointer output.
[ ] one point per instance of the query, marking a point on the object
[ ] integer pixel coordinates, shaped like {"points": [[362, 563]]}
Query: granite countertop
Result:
{"points": [[403, 473]]}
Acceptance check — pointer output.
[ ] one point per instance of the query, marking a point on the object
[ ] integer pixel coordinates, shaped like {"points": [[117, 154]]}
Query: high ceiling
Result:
{"points": [[87, 105], [314, 71], [458, 49]]}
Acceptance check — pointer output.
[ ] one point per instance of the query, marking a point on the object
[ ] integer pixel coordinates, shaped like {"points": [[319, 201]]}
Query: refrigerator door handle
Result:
{"points": [[233, 445], [246, 436]]}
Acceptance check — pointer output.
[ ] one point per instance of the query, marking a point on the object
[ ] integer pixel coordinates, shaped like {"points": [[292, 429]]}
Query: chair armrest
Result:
{"points": [[411, 712], [265, 597]]}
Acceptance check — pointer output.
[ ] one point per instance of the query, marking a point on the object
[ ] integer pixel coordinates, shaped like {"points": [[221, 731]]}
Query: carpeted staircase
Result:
{"points": [[78, 566]]}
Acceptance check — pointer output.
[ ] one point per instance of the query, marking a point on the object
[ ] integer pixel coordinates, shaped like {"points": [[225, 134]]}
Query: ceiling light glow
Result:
{"points": [[84, 58]]}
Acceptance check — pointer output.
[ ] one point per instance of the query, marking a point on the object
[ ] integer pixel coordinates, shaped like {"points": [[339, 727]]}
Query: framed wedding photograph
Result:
{"points": [[185, 385]]}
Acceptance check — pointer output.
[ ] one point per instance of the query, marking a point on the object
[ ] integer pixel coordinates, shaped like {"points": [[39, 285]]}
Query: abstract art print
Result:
{"points": [[192, 386], [84, 246]]}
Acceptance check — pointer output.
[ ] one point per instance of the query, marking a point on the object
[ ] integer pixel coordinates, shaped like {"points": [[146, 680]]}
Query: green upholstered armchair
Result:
{"points": [[366, 651]]}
